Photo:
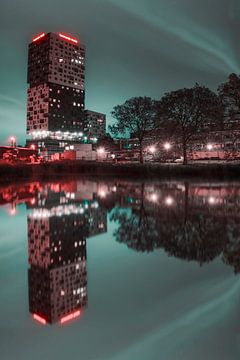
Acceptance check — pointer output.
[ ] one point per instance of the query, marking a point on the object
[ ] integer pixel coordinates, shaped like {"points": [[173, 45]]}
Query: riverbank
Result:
{"points": [[223, 171]]}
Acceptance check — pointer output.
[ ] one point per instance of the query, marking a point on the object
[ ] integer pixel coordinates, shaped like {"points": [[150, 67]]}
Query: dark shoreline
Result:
{"points": [[148, 171]]}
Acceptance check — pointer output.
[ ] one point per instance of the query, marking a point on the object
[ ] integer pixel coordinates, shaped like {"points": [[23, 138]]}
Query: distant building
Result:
{"points": [[95, 124], [56, 93]]}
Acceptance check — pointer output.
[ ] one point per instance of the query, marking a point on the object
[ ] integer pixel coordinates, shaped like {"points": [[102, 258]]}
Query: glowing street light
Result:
{"points": [[167, 146], [212, 200], [12, 141], [101, 150], [152, 149], [209, 146]]}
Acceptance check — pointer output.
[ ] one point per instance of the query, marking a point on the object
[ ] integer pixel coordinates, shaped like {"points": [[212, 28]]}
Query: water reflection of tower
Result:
{"points": [[57, 274], [61, 219]]}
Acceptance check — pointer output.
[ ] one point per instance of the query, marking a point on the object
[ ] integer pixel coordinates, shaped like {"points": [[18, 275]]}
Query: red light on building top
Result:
{"points": [[70, 317], [38, 37], [39, 318], [75, 41]]}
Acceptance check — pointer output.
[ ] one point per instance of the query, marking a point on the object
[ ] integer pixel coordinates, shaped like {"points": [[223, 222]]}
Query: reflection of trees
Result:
{"points": [[231, 253], [137, 228], [191, 229], [195, 238], [191, 234]]}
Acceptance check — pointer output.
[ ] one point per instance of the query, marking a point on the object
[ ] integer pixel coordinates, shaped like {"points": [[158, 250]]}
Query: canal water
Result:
{"points": [[120, 270]]}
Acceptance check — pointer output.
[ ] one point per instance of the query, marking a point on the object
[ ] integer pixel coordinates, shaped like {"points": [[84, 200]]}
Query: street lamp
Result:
{"points": [[101, 152], [152, 149], [209, 147], [167, 146], [12, 141], [169, 201]]}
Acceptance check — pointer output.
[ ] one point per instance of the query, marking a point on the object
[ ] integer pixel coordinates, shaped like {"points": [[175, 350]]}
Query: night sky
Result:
{"points": [[134, 47]]}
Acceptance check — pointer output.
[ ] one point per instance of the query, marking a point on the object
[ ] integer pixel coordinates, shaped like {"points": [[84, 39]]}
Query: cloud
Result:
{"points": [[186, 30], [11, 100]]}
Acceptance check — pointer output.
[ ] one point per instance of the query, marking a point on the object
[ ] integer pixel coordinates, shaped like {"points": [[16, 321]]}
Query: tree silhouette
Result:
{"points": [[136, 116], [229, 93], [185, 113], [137, 227]]}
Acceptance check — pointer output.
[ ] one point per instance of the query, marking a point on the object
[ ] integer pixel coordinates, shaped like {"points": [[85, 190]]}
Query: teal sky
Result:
{"points": [[134, 47]]}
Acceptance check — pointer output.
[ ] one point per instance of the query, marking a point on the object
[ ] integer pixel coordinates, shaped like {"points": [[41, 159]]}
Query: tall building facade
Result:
{"points": [[56, 93]]}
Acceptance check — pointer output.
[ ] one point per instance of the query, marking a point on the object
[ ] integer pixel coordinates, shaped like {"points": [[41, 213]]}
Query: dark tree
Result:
{"points": [[137, 115], [137, 227], [229, 93], [185, 113], [107, 142]]}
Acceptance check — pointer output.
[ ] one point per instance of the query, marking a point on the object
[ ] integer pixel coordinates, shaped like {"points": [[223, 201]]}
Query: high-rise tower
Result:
{"points": [[56, 76]]}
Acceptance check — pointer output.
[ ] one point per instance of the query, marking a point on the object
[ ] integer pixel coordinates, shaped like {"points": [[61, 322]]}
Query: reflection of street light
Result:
{"points": [[153, 198], [169, 201], [212, 200], [209, 146], [12, 211], [167, 146], [102, 193]]}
